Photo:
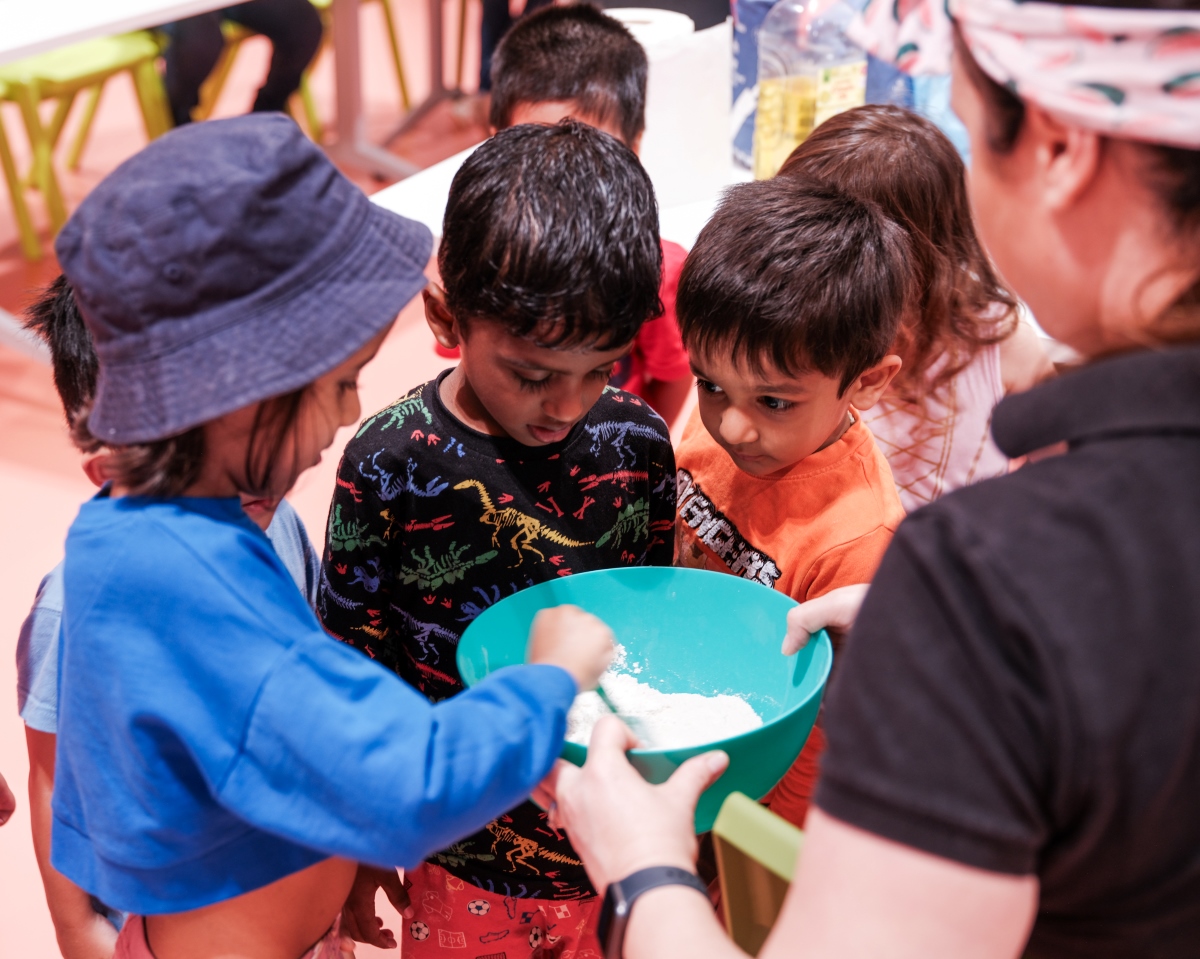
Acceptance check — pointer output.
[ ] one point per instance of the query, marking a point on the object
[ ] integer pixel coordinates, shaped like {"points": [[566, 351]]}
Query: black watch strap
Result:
{"points": [[620, 897]]}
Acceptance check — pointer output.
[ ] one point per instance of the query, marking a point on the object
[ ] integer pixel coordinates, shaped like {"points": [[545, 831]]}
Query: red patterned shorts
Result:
{"points": [[455, 918]]}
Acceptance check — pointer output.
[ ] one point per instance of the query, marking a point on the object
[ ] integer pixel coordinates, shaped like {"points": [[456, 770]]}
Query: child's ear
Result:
{"points": [[438, 316], [871, 384], [95, 465]]}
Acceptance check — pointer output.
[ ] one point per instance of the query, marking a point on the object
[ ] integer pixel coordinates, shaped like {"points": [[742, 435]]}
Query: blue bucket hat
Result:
{"points": [[228, 262]]}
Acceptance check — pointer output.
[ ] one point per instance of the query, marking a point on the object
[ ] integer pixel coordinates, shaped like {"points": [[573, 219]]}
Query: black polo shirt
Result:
{"points": [[1021, 691]]}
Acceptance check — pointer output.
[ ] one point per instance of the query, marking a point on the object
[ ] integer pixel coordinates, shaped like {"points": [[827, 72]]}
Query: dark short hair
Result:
{"points": [[575, 54], [55, 318], [797, 275], [553, 232]]}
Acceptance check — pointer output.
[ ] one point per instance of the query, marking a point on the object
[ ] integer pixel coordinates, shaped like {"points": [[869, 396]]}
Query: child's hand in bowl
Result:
{"points": [[576, 641]]}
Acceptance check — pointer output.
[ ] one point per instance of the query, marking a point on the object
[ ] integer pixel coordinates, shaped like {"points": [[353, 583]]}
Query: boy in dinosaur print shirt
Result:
{"points": [[518, 466]]}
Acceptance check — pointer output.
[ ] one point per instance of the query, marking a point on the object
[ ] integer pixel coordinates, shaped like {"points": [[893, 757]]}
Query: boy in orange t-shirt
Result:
{"points": [[788, 305]]}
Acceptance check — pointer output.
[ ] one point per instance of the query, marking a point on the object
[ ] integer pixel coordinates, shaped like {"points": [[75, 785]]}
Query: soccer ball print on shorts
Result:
{"points": [[460, 918]]}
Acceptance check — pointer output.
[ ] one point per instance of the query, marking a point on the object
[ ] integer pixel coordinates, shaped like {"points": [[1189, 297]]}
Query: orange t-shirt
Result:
{"points": [[825, 523]]}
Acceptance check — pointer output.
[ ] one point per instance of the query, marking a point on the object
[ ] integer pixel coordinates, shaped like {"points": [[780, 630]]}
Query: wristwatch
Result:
{"points": [[620, 897]]}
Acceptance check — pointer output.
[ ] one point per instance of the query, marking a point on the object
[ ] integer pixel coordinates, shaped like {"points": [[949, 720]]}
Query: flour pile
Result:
{"points": [[665, 720]]}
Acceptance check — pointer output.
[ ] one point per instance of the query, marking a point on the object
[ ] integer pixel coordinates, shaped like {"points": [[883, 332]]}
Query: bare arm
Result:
{"points": [[854, 894], [82, 933], [1024, 361]]}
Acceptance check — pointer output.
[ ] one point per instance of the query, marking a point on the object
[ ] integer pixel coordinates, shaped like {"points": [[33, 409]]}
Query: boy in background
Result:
{"points": [[575, 61], [84, 927], [789, 304], [517, 466]]}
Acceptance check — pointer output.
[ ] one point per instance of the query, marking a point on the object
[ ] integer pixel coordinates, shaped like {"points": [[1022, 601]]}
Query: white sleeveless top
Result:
{"points": [[946, 442]]}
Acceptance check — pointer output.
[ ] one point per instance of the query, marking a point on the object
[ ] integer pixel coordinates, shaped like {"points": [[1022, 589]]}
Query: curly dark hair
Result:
{"points": [[908, 166], [553, 231]]}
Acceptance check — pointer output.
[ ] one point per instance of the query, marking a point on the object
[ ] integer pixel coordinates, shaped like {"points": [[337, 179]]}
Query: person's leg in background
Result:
{"points": [[495, 23], [194, 48], [294, 29], [498, 16]]}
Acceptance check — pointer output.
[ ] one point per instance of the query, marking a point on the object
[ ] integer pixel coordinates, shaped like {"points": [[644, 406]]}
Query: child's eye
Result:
{"points": [[776, 405], [347, 385], [603, 374], [527, 384], [709, 387]]}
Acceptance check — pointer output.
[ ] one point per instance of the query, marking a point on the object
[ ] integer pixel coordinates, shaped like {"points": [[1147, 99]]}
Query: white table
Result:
{"points": [[29, 27], [422, 197]]}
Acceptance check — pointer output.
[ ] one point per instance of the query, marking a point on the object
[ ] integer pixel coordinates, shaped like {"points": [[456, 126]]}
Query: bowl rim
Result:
{"points": [[821, 638]]}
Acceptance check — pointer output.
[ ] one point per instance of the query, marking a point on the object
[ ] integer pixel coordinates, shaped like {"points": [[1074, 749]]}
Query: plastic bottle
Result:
{"points": [[808, 71], [748, 16]]}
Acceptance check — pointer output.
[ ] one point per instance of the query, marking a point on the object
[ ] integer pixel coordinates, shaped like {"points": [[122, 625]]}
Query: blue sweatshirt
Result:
{"points": [[213, 738]]}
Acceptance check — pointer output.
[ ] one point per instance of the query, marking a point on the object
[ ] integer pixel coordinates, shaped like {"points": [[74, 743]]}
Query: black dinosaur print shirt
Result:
{"points": [[432, 522]]}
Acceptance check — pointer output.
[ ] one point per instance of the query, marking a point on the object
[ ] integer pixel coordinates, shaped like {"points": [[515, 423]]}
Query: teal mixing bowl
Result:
{"points": [[691, 631]]}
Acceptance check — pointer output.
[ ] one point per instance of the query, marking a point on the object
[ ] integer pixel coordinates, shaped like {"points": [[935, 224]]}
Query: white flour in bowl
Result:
{"points": [[665, 720]]}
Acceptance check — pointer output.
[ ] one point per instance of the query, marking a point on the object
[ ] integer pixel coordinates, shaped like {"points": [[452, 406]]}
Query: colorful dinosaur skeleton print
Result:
{"points": [[432, 522]]}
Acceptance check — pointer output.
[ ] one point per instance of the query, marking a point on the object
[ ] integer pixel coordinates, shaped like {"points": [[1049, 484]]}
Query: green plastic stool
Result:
{"points": [[756, 856], [61, 75]]}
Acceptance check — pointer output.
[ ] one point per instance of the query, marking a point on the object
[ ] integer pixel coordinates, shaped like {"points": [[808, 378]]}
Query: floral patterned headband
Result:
{"points": [[1133, 74]]}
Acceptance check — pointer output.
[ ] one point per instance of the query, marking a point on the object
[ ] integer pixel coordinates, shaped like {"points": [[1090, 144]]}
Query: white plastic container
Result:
{"points": [[686, 145], [808, 71]]}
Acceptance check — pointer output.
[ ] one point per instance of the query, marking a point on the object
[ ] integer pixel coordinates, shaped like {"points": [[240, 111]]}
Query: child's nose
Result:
{"points": [[565, 404], [737, 429]]}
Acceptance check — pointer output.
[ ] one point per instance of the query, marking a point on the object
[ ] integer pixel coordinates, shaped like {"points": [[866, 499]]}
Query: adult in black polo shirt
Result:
{"points": [[1014, 730]]}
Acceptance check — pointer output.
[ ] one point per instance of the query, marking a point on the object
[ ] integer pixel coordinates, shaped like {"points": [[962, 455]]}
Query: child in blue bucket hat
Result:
{"points": [[222, 763]]}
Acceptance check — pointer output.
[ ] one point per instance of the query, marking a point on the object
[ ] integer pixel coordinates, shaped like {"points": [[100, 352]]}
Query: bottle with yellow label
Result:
{"points": [[808, 71]]}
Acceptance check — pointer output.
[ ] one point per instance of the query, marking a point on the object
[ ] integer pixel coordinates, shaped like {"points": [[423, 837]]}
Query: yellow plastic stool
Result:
{"points": [[16, 190], [61, 75], [756, 856]]}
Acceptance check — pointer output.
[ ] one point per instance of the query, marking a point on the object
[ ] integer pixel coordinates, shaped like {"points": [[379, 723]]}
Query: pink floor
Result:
{"points": [[41, 484]]}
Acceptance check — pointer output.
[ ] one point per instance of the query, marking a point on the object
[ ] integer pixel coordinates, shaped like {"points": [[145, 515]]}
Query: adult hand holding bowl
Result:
{"points": [[608, 798]]}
